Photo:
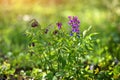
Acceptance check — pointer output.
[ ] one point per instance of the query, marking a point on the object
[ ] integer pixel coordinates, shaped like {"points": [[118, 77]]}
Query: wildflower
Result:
{"points": [[59, 25], [71, 34], [70, 17], [55, 32], [74, 23], [46, 31], [91, 67], [34, 23]]}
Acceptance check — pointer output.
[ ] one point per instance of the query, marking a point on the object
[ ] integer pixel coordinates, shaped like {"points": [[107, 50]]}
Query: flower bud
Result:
{"points": [[55, 32], [34, 23]]}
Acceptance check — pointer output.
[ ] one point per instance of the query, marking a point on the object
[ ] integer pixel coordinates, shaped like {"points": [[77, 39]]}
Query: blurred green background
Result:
{"points": [[102, 15]]}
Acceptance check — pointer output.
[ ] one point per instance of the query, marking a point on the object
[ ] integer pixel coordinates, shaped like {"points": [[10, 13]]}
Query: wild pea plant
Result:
{"points": [[60, 55]]}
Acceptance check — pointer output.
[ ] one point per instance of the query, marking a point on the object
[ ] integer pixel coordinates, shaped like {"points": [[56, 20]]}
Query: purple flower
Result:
{"points": [[69, 17], [74, 23], [59, 25], [71, 34], [91, 67]]}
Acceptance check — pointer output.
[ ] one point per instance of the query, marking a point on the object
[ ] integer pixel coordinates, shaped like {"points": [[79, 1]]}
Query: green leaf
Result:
{"points": [[86, 31]]}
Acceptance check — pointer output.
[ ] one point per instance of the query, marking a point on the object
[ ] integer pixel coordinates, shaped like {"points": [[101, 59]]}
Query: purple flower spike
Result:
{"points": [[74, 23], [59, 25]]}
